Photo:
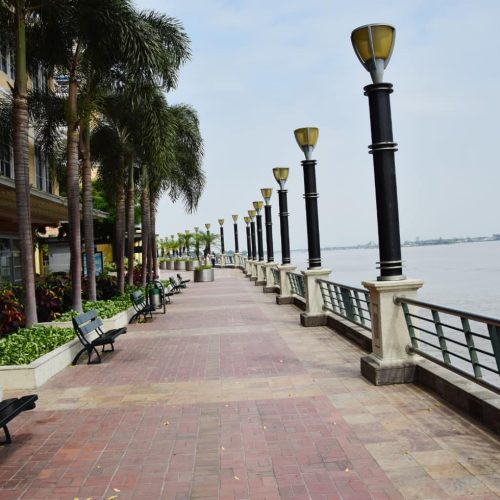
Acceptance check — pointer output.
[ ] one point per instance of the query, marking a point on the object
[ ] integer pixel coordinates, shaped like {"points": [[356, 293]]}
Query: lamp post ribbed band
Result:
{"points": [[383, 148], [249, 243], [222, 239], [254, 246], [260, 239], [285, 234], [236, 245], [312, 219], [269, 233]]}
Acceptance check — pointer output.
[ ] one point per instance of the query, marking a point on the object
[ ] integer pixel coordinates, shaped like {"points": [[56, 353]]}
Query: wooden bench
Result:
{"points": [[141, 306], [10, 409], [86, 323]]}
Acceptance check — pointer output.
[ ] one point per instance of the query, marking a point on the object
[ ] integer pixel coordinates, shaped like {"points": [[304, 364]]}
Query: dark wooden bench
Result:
{"points": [[182, 283], [10, 409], [141, 306], [86, 323]]}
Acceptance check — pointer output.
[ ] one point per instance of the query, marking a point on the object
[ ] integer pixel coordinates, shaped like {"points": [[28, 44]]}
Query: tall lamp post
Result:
{"points": [[389, 362], [249, 244], [281, 176], [373, 45], [207, 226], [268, 275], [306, 139], [236, 243], [253, 274], [221, 223], [313, 316], [260, 243]]}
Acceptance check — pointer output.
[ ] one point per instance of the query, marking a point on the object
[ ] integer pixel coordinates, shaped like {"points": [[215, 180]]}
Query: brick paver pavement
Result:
{"points": [[227, 396]]}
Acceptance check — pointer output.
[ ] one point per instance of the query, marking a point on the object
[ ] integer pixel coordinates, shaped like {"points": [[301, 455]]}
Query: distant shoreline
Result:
{"points": [[417, 243]]}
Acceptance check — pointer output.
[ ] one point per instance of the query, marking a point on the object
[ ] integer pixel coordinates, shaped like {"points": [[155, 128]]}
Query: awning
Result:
{"points": [[46, 209]]}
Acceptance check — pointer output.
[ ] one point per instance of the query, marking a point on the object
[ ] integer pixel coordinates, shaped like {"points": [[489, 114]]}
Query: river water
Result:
{"points": [[462, 275]]}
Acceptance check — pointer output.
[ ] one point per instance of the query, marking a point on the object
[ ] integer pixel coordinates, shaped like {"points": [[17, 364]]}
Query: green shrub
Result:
{"points": [[105, 308], [201, 268], [28, 344]]}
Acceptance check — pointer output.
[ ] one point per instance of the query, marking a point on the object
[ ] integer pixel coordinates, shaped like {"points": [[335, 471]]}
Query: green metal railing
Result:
{"points": [[351, 303], [466, 342], [276, 276], [297, 284]]}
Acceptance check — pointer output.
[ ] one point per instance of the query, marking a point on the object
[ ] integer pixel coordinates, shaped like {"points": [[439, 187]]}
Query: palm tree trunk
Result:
{"points": [[21, 167], [154, 250], [87, 208], [145, 223], [120, 232], [73, 190], [130, 222]]}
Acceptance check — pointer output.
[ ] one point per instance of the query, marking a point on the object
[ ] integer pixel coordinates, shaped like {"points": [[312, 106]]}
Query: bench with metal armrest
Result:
{"points": [[86, 323], [11, 408], [142, 308], [182, 282]]}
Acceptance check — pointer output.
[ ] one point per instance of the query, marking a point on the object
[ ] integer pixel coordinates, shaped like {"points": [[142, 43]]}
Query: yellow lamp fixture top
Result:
{"points": [[235, 217], [281, 175], [246, 219], [252, 214], [221, 222], [266, 194], [258, 206], [306, 138], [207, 226], [373, 45]]}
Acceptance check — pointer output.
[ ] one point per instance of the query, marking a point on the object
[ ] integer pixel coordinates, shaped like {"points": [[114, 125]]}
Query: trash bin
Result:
{"points": [[155, 297]]}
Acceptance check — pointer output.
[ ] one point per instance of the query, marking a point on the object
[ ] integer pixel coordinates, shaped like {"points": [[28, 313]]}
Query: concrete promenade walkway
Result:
{"points": [[227, 396]]}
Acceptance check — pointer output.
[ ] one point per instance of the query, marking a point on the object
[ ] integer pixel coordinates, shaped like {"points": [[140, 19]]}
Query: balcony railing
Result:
{"points": [[351, 303], [466, 342], [297, 284]]}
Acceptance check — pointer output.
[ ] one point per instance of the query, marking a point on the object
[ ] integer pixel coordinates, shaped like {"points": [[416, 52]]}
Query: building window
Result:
{"points": [[43, 181], [5, 157], [10, 260], [39, 80], [7, 59]]}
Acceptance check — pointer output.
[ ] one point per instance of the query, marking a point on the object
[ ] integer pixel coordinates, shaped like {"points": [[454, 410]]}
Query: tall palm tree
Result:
{"points": [[102, 40], [14, 14]]}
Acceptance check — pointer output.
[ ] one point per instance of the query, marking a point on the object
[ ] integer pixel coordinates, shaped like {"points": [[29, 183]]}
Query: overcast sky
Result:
{"points": [[260, 69]]}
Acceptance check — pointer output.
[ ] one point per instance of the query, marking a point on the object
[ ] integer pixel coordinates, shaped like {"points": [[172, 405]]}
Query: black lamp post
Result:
{"points": [[207, 225], [260, 241], [306, 139], [249, 242], [236, 245], [221, 222], [373, 45], [281, 175], [266, 194], [252, 214]]}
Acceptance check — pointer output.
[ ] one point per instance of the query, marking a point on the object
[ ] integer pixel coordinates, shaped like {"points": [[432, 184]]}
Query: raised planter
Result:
{"points": [[203, 275], [180, 265], [40, 370], [163, 265], [191, 264], [170, 264]]}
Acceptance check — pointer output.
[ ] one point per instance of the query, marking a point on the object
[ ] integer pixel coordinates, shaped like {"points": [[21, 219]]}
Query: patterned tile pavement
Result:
{"points": [[228, 397]]}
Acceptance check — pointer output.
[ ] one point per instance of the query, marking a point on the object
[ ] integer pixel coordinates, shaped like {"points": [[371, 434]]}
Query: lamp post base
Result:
{"points": [[389, 362], [314, 314], [285, 295]]}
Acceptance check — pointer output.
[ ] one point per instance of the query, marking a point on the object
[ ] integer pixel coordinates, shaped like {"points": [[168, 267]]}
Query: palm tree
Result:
{"points": [[210, 240], [102, 42], [14, 14]]}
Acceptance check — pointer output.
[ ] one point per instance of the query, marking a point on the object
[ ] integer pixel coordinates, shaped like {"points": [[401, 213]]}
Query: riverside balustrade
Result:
{"points": [[276, 277], [297, 284], [349, 302], [465, 342]]}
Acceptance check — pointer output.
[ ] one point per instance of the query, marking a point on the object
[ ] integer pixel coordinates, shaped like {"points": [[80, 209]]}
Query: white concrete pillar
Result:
{"points": [[237, 261], [389, 362], [285, 295], [253, 276], [269, 287], [314, 314], [261, 273]]}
